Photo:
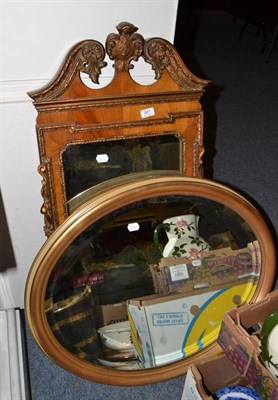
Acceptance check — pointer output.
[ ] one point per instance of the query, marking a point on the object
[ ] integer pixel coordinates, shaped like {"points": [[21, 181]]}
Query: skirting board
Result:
{"points": [[12, 371]]}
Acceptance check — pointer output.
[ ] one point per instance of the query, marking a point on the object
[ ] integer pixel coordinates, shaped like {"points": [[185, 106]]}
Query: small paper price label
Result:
{"points": [[102, 158], [148, 112], [179, 272], [196, 263]]}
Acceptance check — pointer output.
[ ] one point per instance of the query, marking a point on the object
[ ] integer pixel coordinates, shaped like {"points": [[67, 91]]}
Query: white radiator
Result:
{"points": [[12, 378]]}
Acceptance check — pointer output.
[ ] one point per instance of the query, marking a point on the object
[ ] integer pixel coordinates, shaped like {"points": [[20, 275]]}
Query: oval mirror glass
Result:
{"points": [[132, 287]]}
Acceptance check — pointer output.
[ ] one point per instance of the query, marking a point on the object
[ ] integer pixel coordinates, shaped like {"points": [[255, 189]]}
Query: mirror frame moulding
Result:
{"points": [[94, 209]]}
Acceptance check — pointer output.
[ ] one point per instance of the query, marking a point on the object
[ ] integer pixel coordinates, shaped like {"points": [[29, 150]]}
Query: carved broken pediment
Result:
{"points": [[123, 48], [162, 55], [86, 56]]}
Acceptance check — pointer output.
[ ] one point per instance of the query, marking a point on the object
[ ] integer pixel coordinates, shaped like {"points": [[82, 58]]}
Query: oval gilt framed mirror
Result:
{"points": [[115, 297]]}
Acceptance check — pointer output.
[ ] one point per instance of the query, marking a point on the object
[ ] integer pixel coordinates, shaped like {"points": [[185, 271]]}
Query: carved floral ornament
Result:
{"points": [[90, 59], [125, 46]]}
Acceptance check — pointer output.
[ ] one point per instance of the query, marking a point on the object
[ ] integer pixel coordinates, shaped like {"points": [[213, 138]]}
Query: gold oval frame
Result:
{"points": [[94, 209]]}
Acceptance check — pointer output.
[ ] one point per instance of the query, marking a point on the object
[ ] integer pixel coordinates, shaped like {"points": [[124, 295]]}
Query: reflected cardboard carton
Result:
{"points": [[217, 267], [111, 313], [204, 378], [168, 328], [239, 338]]}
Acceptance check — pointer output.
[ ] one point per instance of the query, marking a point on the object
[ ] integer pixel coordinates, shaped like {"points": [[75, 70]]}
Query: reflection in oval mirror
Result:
{"points": [[132, 287]]}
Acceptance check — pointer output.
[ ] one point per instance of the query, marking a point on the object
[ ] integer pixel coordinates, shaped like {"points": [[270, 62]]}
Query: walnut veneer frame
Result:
{"points": [[71, 112]]}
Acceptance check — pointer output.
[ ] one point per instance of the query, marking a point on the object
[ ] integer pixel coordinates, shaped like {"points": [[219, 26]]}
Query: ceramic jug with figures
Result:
{"points": [[183, 237]]}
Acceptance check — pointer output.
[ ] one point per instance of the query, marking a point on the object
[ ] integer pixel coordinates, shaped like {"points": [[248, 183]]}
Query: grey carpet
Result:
{"points": [[241, 136], [51, 382]]}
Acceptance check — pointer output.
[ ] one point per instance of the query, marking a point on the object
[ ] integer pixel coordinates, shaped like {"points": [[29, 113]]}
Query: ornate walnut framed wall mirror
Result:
{"points": [[96, 260], [111, 209], [88, 135]]}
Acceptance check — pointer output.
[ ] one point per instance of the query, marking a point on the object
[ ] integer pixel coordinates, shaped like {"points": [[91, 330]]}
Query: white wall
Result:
{"points": [[35, 37]]}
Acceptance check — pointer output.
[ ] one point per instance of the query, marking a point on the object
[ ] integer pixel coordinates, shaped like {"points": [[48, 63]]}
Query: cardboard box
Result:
{"points": [[168, 328], [239, 338], [217, 267], [159, 325], [112, 313], [222, 240], [203, 379]]}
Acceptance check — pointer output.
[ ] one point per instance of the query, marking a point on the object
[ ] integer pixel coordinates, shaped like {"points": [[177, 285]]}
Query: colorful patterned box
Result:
{"points": [[239, 338], [220, 267]]}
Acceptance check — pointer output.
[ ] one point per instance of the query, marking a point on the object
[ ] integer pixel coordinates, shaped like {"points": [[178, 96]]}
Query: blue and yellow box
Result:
{"points": [[167, 328]]}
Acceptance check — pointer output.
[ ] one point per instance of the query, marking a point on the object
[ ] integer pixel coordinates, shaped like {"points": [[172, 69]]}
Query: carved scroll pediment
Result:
{"points": [[162, 55], [86, 56], [122, 48]]}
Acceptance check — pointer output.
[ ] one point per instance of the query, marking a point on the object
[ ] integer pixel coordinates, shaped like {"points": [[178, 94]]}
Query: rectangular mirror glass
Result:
{"points": [[87, 164]]}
